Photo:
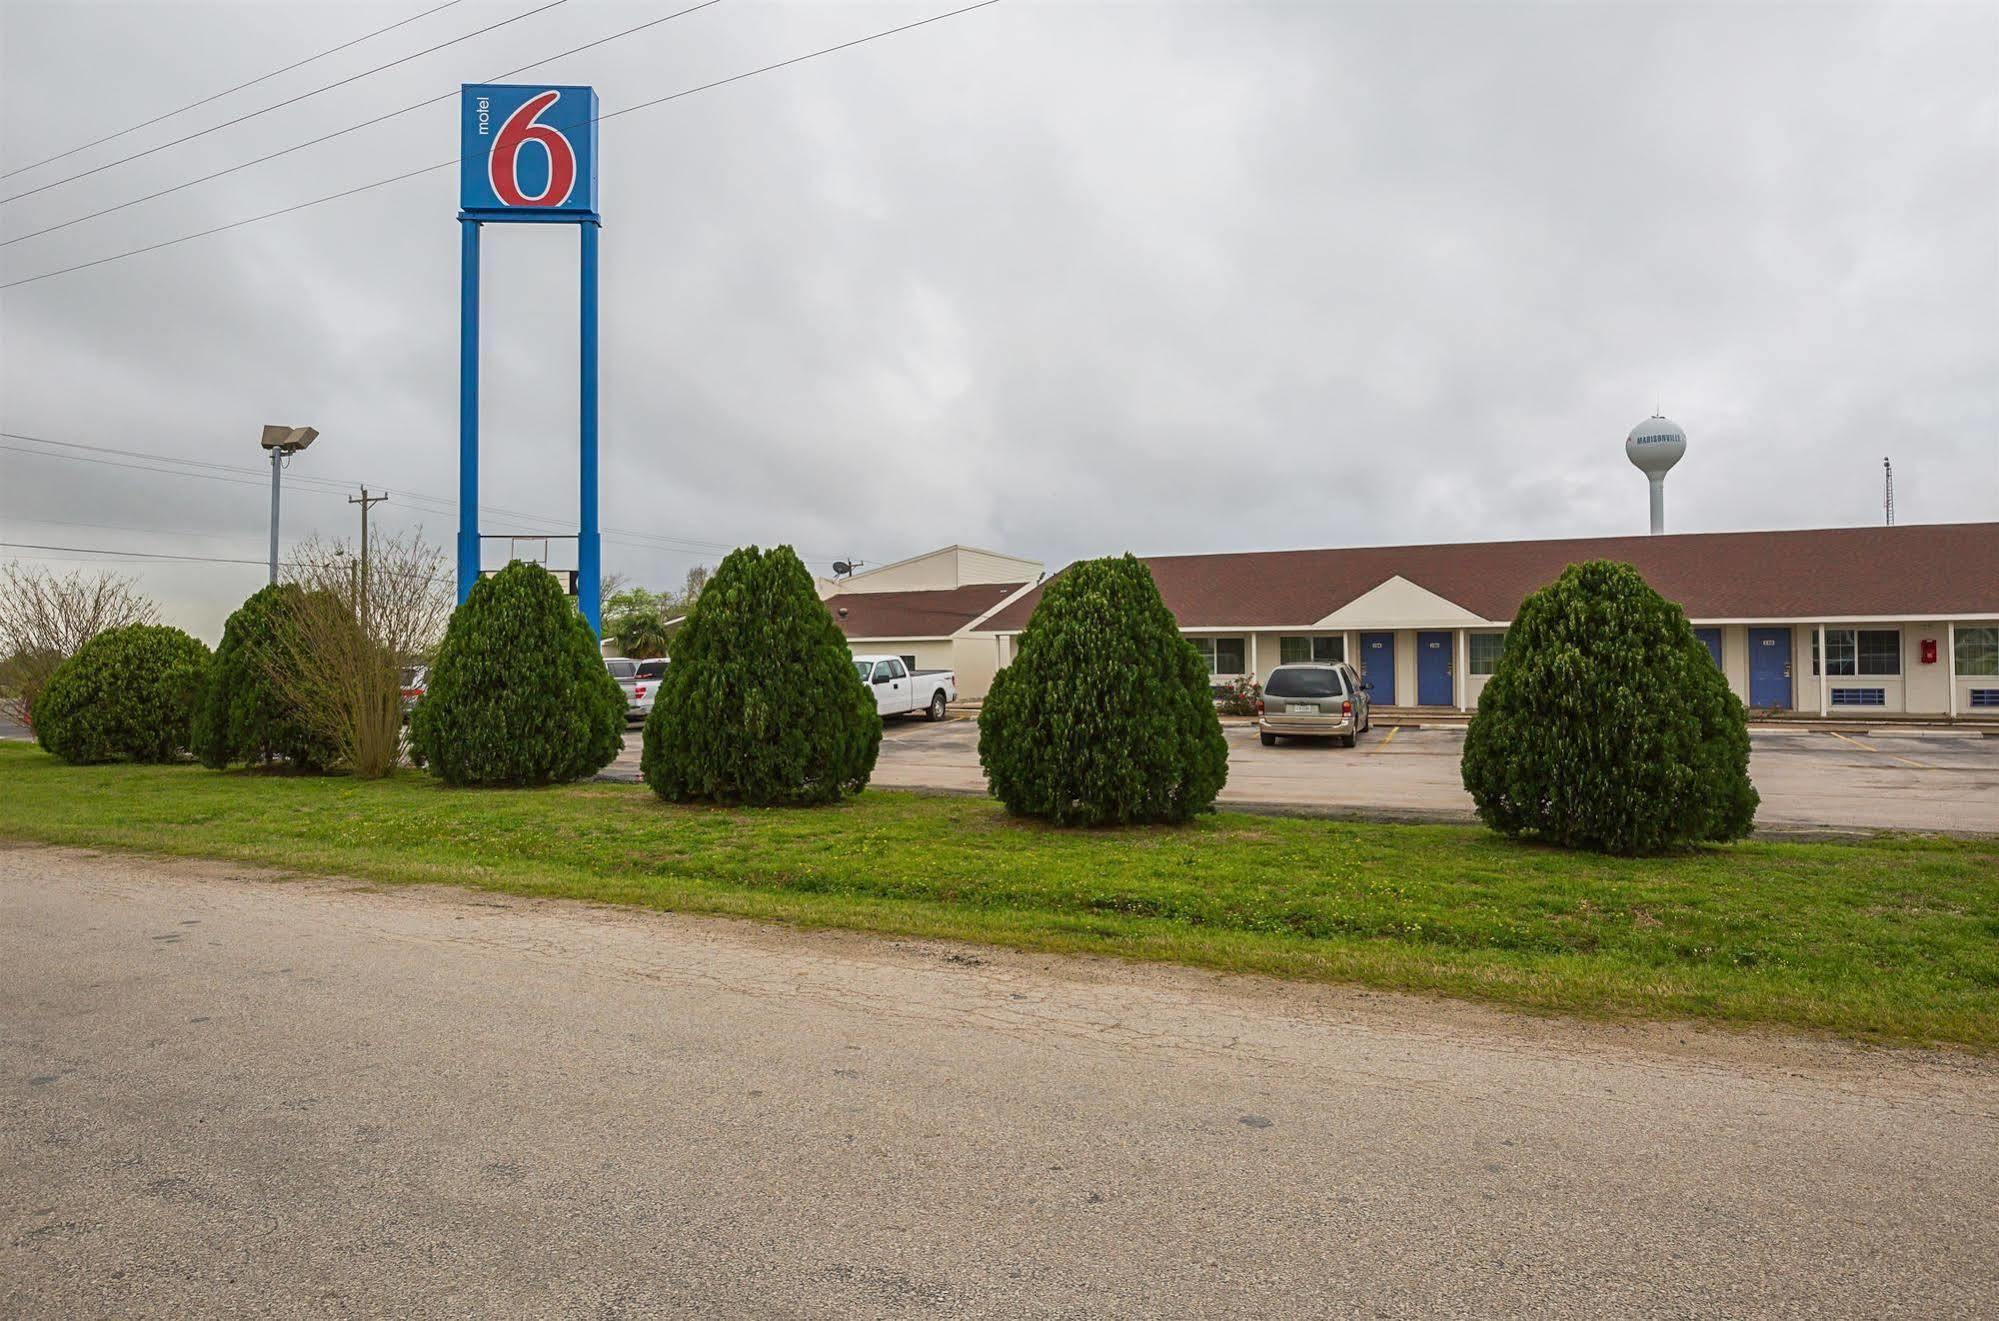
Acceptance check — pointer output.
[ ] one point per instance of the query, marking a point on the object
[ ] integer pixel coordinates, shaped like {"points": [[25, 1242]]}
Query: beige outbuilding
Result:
{"points": [[931, 609]]}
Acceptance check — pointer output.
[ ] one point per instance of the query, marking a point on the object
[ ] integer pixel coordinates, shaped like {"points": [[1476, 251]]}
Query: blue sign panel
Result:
{"points": [[527, 152]]}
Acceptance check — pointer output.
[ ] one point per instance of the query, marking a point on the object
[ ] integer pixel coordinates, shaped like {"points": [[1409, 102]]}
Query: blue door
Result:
{"points": [[1433, 670], [1377, 666], [1711, 639], [1770, 668]]}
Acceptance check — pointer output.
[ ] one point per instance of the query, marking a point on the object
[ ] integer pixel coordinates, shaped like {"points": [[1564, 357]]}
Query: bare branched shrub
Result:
{"points": [[45, 617], [356, 637]]}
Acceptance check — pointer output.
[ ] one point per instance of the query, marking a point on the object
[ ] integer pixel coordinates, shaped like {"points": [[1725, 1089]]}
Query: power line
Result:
{"points": [[411, 174], [135, 554], [312, 485], [328, 485], [366, 123], [423, 502], [192, 105], [189, 559], [130, 527], [279, 105]]}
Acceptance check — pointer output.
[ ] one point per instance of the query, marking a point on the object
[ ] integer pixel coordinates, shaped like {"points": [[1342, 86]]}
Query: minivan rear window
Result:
{"points": [[621, 669], [652, 669], [1304, 681]]}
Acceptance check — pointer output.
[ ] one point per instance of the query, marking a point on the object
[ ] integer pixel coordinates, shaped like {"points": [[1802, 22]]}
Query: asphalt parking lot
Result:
{"points": [[1916, 779]]}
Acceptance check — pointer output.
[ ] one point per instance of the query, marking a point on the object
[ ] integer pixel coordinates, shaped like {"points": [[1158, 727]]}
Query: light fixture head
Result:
{"points": [[288, 440]]}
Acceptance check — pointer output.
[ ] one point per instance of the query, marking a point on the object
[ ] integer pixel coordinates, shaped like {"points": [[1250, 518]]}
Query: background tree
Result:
{"points": [[1606, 724], [762, 704], [637, 619], [1105, 716], [45, 618], [518, 694], [356, 638], [250, 711], [128, 694]]}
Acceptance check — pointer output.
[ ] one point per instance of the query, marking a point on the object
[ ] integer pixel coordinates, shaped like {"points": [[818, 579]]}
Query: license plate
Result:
{"points": [[1302, 709]]}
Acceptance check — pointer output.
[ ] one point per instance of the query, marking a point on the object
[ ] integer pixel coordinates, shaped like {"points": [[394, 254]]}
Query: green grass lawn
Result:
{"points": [[1893, 939]]}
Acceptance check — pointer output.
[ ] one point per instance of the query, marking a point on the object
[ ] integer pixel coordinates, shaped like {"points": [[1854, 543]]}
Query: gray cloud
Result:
{"points": [[1061, 279]]}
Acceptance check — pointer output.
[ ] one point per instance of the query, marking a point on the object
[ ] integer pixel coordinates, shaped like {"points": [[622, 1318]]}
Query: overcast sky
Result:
{"points": [[1058, 280]]}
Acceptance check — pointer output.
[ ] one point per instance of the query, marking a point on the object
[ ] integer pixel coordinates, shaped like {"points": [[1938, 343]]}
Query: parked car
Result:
{"points": [[415, 679], [900, 690], [1313, 701], [626, 672], [645, 687]]}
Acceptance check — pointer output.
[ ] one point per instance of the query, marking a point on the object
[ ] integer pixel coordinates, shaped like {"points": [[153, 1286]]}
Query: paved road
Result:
{"points": [[1913, 780], [225, 1095]]}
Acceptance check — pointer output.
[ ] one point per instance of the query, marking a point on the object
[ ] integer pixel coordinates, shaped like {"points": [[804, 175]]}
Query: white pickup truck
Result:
{"points": [[901, 691]]}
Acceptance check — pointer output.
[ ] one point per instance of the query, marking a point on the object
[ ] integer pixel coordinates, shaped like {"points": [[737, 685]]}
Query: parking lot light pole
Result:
{"points": [[282, 442]]}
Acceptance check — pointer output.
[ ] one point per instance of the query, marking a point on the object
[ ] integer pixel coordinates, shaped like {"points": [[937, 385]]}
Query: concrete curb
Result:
{"points": [[1767, 832]]}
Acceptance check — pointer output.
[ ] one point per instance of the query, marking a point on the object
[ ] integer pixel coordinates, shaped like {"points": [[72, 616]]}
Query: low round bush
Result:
{"points": [[761, 703], [1105, 715], [250, 711], [128, 694], [518, 694], [1607, 725]]}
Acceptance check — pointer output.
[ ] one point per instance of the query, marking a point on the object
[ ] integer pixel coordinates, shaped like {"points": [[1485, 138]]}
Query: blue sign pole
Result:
{"points": [[468, 407], [528, 155], [589, 546]]}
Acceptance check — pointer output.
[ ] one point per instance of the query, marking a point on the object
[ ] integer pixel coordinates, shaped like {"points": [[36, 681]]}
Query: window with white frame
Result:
{"points": [[1303, 651], [1854, 652], [1485, 649], [1978, 652], [1222, 655]]}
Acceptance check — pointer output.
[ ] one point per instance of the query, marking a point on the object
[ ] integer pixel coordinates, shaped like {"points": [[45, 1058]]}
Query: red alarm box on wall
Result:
{"points": [[1929, 651]]}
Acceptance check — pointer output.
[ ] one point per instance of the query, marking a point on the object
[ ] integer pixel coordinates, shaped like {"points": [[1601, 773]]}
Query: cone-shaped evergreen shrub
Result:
{"points": [[129, 694], [1606, 725], [250, 711], [761, 703], [1105, 716], [519, 694]]}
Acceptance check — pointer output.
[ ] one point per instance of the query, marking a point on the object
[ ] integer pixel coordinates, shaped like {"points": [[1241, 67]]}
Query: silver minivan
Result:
{"points": [[1313, 701]]}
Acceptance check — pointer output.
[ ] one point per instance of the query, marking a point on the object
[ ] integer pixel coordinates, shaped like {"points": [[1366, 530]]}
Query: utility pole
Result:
{"points": [[365, 500]]}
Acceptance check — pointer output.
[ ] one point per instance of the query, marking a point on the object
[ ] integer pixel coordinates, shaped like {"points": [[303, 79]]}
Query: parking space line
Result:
{"points": [[1393, 730], [1868, 747]]}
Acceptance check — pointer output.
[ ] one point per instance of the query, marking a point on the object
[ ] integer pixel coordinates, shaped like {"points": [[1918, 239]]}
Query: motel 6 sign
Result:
{"points": [[527, 152]]}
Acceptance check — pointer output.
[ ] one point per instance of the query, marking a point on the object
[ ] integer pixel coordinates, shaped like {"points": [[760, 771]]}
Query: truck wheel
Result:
{"points": [[936, 711], [1269, 740]]}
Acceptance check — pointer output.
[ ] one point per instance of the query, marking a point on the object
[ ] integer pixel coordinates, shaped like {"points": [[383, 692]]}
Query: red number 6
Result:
{"points": [[502, 164]]}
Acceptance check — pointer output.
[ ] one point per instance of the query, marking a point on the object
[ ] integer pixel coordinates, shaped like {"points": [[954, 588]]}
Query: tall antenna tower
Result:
{"points": [[1888, 496]]}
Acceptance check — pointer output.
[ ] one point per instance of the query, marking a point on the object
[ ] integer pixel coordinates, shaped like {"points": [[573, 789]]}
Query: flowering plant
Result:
{"points": [[1240, 696]]}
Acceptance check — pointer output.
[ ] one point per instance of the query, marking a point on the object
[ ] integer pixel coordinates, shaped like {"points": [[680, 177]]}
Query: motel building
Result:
{"points": [[1866, 621]]}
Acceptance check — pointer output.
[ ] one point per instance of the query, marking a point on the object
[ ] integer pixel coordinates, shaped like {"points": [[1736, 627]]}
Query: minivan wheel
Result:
{"points": [[936, 711], [1269, 739]]}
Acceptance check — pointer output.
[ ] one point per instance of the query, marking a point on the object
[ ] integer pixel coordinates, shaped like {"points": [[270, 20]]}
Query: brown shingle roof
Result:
{"points": [[932, 614], [1915, 569]]}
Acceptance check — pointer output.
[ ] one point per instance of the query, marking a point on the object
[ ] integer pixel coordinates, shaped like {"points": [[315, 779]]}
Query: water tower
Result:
{"points": [[1653, 447]]}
